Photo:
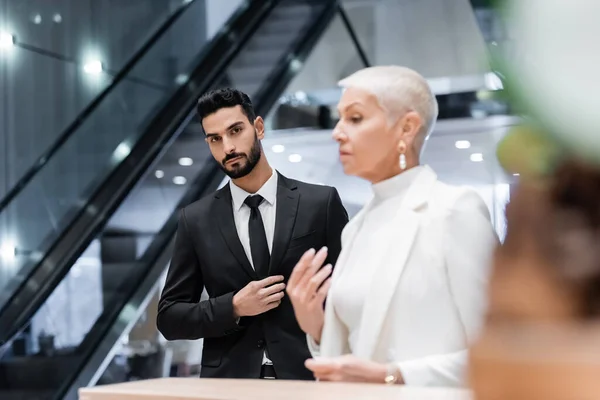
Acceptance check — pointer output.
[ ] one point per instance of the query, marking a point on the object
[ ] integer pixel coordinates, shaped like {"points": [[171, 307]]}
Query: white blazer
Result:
{"points": [[427, 299]]}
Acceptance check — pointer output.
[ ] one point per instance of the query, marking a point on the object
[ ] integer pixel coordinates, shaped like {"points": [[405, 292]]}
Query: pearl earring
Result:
{"points": [[402, 162]]}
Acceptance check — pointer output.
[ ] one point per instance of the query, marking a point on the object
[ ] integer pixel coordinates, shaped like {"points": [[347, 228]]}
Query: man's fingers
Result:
{"points": [[272, 305], [300, 268], [274, 297], [278, 287], [271, 280]]}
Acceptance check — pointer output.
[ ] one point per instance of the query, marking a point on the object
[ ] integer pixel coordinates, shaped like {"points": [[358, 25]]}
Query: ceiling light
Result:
{"points": [[93, 67], [295, 158], [37, 19], [159, 173], [476, 157], [57, 18], [462, 144], [516, 174], [179, 180], [6, 40], [8, 251], [185, 161], [278, 148]]}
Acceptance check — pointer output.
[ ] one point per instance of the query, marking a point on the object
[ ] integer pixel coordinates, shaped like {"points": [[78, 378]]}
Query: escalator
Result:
{"points": [[130, 182]]}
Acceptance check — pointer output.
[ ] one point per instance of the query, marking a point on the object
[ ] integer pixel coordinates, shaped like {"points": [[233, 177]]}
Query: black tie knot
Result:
{"points": [[254, 201]]}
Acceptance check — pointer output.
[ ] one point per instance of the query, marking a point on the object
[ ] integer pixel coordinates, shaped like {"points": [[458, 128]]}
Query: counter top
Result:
{"points": [[239, 389]]}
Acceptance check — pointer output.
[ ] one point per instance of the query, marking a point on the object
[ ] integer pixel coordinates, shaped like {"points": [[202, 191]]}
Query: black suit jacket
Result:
{"points": [[208, 254]]}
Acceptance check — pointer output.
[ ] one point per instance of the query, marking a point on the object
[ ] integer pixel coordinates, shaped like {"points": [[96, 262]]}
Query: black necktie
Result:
{"points": [[258, 238]]}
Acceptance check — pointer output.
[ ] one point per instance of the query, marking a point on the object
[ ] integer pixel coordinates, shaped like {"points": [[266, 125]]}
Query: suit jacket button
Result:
{"points": [[260, 344]]}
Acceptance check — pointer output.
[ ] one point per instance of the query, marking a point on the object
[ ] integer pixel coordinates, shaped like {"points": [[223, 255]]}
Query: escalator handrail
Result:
{"points": [[167, 123], [158, 253], [91, 107]]}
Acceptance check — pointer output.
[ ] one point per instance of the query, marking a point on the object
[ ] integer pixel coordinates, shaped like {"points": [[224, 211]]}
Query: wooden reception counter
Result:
{"points": [[223, 389]]}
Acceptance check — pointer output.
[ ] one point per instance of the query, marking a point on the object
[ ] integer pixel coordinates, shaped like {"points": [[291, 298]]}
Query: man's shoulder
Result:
{"points": [[204, 205], [312, 189]]}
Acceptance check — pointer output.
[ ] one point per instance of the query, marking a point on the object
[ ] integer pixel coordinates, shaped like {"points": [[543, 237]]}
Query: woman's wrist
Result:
{"points": [[393, 376]]}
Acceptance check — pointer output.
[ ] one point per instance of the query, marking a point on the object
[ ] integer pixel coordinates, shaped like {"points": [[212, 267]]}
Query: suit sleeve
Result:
{"points": [[181, 314], [468, 243], [337, 218]]}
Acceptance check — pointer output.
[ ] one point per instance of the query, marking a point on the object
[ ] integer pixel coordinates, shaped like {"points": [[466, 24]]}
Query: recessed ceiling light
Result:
{"points": [[179, 180], [159, 173], [295, 158], [476, 157], [6, 40], [93, 67], [278, 148], [185, 161], [462, 144], [516, 174], [57, 18]]}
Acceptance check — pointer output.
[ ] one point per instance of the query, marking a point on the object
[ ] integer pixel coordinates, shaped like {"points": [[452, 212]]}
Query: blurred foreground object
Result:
{"points": [[541, 340], [554, 70], [542, 334]]}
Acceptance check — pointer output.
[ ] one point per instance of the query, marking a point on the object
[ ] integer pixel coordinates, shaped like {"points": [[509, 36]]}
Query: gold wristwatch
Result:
{"points": [[393, 375]]}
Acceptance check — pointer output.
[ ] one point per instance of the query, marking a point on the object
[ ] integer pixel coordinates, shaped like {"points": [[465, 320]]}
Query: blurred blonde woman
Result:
{"points": [[407, 294]]}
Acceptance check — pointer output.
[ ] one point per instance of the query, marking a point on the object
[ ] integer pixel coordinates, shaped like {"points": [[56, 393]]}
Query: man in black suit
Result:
{"points": [[241, 244]]}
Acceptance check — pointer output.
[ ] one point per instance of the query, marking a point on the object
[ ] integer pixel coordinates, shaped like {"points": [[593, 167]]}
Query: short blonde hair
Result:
{"points": [[398, 90]]}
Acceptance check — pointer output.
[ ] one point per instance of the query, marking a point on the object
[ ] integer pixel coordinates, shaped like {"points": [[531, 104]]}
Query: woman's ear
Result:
{"points": [[410, 125]]}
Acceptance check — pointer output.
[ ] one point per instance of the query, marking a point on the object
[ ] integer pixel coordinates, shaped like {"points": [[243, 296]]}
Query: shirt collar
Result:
{"points": [[396, 185], [268, 191]]}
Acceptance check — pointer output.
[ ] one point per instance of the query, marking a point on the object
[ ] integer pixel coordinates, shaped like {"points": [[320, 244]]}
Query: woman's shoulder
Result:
{"points": [[451, 199]]}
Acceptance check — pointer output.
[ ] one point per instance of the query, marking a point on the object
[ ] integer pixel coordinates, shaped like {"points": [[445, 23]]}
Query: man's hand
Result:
{"points": [[347, 368], [258, 297], [307, 288]]}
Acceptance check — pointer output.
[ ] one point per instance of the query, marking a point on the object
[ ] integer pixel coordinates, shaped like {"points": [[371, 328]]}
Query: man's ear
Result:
{"points": [[259, 125]]}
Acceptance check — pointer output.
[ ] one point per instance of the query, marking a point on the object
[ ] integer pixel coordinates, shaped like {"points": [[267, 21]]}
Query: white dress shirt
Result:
{"points": [[241, 216], [352, 287]]}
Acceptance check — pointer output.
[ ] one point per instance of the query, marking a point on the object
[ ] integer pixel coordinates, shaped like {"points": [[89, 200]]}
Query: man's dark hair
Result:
{"points": [[214, 100]]}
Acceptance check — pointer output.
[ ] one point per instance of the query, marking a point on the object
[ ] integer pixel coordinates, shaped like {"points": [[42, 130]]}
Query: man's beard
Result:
{"points": [[245, 164]]}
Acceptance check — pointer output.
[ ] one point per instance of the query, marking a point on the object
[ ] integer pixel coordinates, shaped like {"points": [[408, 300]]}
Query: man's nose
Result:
{"points": [[228, 145]]}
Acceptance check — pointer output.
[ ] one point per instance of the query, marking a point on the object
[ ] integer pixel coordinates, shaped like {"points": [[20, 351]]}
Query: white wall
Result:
{"points": [[438, 38]]}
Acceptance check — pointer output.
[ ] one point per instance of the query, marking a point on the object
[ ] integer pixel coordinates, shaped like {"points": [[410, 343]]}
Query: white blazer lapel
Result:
{"points": [[390, 260]]}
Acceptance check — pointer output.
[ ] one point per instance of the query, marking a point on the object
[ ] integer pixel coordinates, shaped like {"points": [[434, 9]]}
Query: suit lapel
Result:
{"points": [[223, 218], [285, 219], [390, 260]]}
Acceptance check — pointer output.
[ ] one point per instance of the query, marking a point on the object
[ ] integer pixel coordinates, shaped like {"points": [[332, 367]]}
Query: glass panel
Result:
{"points": [[57, 44], [39, 214], [103, 279]]}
